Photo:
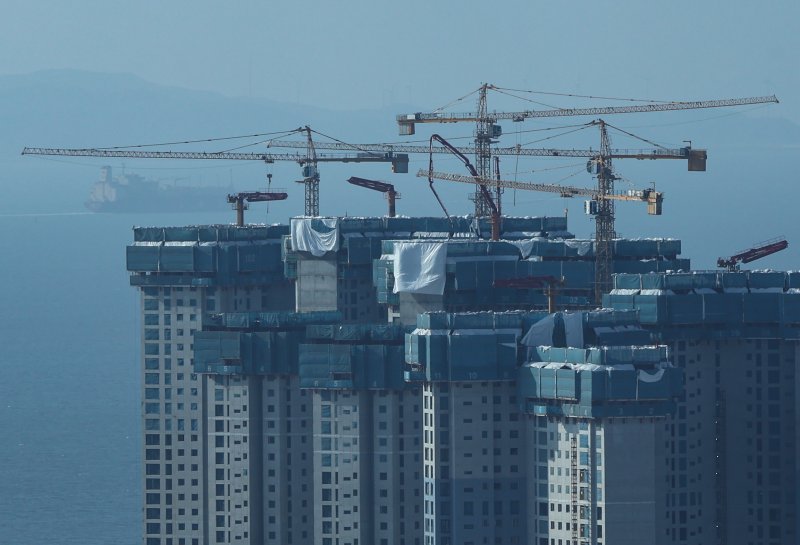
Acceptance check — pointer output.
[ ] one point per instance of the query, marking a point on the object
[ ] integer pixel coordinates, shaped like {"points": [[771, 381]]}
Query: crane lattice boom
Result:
{"points": [[563, 190], [238, 156], [407, 121], [655, 153]]}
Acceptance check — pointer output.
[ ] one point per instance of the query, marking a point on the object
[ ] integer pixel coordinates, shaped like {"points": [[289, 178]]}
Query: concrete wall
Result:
{"points": [[474, 464], [233, 499], [633, 472], [173, 421], [316, 285], [412, 304], [732, 446], [287, 461]]}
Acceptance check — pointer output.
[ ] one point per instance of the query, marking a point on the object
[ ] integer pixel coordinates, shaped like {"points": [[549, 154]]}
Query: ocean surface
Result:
{"points": [[69, 390]]}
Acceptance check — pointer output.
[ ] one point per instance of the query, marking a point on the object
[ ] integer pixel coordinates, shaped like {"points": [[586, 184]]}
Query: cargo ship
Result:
{"points": [[130, 192]]}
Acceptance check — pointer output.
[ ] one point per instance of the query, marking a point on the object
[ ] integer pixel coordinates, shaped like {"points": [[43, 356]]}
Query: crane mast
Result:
{"points": [[483, 154], [604, 219], [311, 177]]}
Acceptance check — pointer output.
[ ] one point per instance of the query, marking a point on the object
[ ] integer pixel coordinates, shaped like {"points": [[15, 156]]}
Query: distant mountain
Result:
{"points": [[76, 109], [82, 109]]}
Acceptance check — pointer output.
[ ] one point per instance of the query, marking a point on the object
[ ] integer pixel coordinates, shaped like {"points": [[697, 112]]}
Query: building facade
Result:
{"points": [[364, 380], [732, 469]]}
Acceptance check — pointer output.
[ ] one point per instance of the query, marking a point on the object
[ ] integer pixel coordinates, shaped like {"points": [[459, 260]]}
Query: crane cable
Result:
{"points": [[527, 99], [283, 133], [440, 108], [635, 136], [580, 128], [574, 95]]}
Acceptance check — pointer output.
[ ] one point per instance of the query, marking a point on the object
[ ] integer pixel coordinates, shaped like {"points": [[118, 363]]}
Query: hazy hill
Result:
{"points": [[84, 109]]}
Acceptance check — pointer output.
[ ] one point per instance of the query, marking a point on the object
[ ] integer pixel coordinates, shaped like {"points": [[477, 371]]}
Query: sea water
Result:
{"points": [[70, 445]]}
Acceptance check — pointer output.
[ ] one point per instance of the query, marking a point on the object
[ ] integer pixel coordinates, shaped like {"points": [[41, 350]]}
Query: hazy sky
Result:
{"points": [[365, 54]]}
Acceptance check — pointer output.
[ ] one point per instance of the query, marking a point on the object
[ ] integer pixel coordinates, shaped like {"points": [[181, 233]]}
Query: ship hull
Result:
{"points": [[142, 196]]}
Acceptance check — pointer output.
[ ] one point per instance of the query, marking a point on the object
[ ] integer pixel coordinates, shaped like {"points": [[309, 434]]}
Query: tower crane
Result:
{"points": [[406, 122], [601, 206], [308, 161], [604, 218], [487, 131]]}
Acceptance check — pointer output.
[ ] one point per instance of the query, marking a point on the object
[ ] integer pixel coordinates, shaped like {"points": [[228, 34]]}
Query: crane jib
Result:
{"points": [[438, 117]]}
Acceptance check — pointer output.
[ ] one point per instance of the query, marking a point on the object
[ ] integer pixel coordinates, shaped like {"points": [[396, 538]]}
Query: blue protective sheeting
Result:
{"points": [[686, 309], [233, 352], [566, 384], [623, 335], [791, 308], [209, 233], [142, 258], [205, 258], [636, 248], [722, 308], [621, 384], [732, 280], [599, 391], [767, 280], [762, 308], [177, 259], [712, 298], [259, 257], [347, 366]]}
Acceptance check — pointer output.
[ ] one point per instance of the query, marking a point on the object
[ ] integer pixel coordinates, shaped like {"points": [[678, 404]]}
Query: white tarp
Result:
{"points": [[584, 247], [525, 247], [419, 267], [315, 235], [650, 377]]}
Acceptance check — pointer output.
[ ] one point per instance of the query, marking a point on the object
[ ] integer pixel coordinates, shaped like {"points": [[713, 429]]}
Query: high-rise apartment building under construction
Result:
{"points": [[358, 381]]}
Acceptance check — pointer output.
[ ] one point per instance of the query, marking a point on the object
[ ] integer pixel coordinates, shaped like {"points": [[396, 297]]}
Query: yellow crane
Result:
{"points": [[488, 132], [651, 197]]}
